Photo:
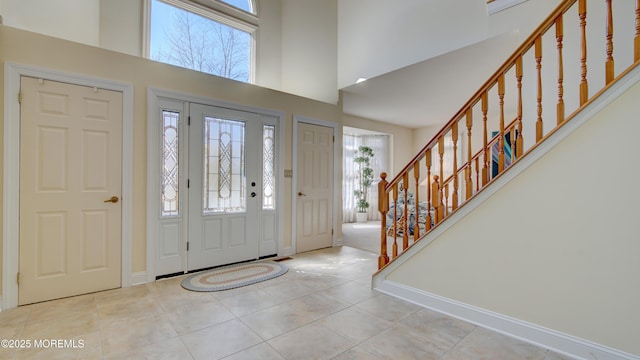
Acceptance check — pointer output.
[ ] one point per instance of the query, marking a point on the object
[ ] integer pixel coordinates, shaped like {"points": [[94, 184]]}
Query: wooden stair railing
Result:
{"points": [[510, 104]]}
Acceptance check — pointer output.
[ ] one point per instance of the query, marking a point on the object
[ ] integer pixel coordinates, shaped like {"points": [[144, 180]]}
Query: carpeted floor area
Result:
{"points": [[363, 236]]}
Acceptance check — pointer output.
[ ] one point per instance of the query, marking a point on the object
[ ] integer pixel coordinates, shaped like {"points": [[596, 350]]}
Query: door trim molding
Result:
{"points": [[11, 170], [153, 186], [337, 166]]}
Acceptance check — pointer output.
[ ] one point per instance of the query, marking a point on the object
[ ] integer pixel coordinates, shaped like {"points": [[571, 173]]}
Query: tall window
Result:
{"points": [[170, 164], [214, 41], [379, 163]]}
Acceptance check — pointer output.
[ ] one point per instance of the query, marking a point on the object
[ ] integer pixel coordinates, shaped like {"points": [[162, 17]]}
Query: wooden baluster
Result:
{"points": [[394, 249], [446, 200], [501, 138], [519, 139], [636, 45], [428, 164], [477, 174], [538, 51], [454, 137], [485, 164], [513, 145], [440, 185], [416, 176], [383, 207], [559, 38], [609, 65], [468, 170], [435, 193], [405, 212], [584, 86]]}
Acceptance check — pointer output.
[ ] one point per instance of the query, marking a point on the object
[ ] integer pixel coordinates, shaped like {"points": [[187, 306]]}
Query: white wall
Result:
{"points": [[309, 48], [557, 246], [75, 20], [378, 36]]}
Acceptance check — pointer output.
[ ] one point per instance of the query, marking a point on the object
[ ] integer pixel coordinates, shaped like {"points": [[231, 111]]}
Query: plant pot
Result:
{"points": [[361, 217]]}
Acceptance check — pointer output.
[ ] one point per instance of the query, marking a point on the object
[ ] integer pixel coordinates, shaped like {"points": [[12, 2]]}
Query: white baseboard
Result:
{"points": [[534, 334], [139, 278]]}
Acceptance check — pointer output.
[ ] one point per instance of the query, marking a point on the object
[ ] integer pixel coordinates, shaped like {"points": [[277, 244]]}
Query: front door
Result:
{"points": [[314, 229], [70, 184], [225, 184]]}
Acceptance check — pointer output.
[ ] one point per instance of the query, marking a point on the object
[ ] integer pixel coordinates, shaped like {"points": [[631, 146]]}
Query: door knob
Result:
{"points": [[301, 194], [113, 199]]}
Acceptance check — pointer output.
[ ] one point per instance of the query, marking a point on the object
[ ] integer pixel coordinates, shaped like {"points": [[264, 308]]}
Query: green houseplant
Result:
{"points": [[365, 177]]}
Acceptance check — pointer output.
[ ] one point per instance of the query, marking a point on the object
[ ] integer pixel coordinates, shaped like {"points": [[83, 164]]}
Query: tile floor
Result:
{"points": [[323, 308]]}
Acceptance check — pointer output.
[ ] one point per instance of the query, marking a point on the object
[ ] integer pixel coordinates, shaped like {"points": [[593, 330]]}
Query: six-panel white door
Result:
{"points": [[70, 184], [315, 187]]}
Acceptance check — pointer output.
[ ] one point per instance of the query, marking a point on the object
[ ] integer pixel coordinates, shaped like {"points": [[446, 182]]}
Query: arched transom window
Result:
{"points": [[212, 36]]}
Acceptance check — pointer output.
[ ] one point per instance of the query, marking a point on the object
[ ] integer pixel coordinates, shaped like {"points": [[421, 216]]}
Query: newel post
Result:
{"points": [[383, 207]]}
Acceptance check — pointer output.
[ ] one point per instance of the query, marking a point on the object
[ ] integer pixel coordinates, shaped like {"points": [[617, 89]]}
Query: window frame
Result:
{"points": [[214, 10]]}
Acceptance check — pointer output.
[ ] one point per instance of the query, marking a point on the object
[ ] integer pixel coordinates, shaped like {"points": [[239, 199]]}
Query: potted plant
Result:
{"points": [[365, 178]]}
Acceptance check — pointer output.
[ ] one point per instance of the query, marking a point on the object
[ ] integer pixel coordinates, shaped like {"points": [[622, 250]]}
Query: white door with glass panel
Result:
{"points": [[230, 179]]}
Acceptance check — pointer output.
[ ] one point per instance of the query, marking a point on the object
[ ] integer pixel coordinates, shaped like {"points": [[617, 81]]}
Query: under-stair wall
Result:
{"points": [[551, 252]]}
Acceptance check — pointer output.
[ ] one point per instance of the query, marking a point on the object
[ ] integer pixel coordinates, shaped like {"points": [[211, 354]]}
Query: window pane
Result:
{"points": [[224, 185], [170, 168], [185, 39], [268, 167], [241, 4]]}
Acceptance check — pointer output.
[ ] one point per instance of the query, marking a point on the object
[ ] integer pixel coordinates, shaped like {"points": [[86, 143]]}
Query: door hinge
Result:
{"points": [[331, 232], [334, 138], [188, 183], [20, 97], [187, 246], [188, 120], [18, 278]]}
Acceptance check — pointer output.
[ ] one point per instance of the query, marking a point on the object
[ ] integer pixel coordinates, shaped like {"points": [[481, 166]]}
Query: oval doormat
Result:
{"points": [[234, 276]]}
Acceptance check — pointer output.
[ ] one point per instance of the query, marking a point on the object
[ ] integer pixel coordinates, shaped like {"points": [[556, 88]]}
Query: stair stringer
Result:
{"points": [[532, 333]]}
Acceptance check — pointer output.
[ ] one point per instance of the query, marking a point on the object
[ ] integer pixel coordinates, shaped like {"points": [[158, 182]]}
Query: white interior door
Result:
{"points": [[225, 182], [70, 184], [314, 229]]}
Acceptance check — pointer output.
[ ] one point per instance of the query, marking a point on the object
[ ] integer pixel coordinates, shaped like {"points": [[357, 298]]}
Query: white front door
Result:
{"points": [[315, 187], [70, 184], [225, 186]]}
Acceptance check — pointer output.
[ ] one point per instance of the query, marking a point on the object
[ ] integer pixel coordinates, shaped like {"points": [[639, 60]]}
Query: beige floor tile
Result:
{"points": [[220, 340], [388, 308], [312, 341], [398, 343], [190, 319], [357, 353], [54, 309], [119, 313], [128, 337], [70, 326], [437, 328], [249, 302], [261, 351], [355, 324], [172, 349], [352, 292], [485, 344]]}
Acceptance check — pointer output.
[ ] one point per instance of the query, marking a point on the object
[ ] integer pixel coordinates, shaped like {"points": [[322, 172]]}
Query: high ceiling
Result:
{"points": [[430, 92]]}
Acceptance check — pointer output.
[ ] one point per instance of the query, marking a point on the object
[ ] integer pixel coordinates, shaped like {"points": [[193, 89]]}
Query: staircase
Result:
{"points": [[545, 147]]}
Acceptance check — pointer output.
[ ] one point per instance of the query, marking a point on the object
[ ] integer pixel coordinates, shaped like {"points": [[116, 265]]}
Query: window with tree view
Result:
{"points": [[201, 39]]}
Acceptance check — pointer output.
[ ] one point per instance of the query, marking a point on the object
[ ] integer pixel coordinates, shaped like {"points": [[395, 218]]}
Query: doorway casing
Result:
{"points": [[11, 171]]}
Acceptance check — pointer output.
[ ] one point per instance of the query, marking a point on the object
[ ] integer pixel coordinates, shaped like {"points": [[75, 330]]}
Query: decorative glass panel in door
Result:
{"points": [[224, 178]]}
